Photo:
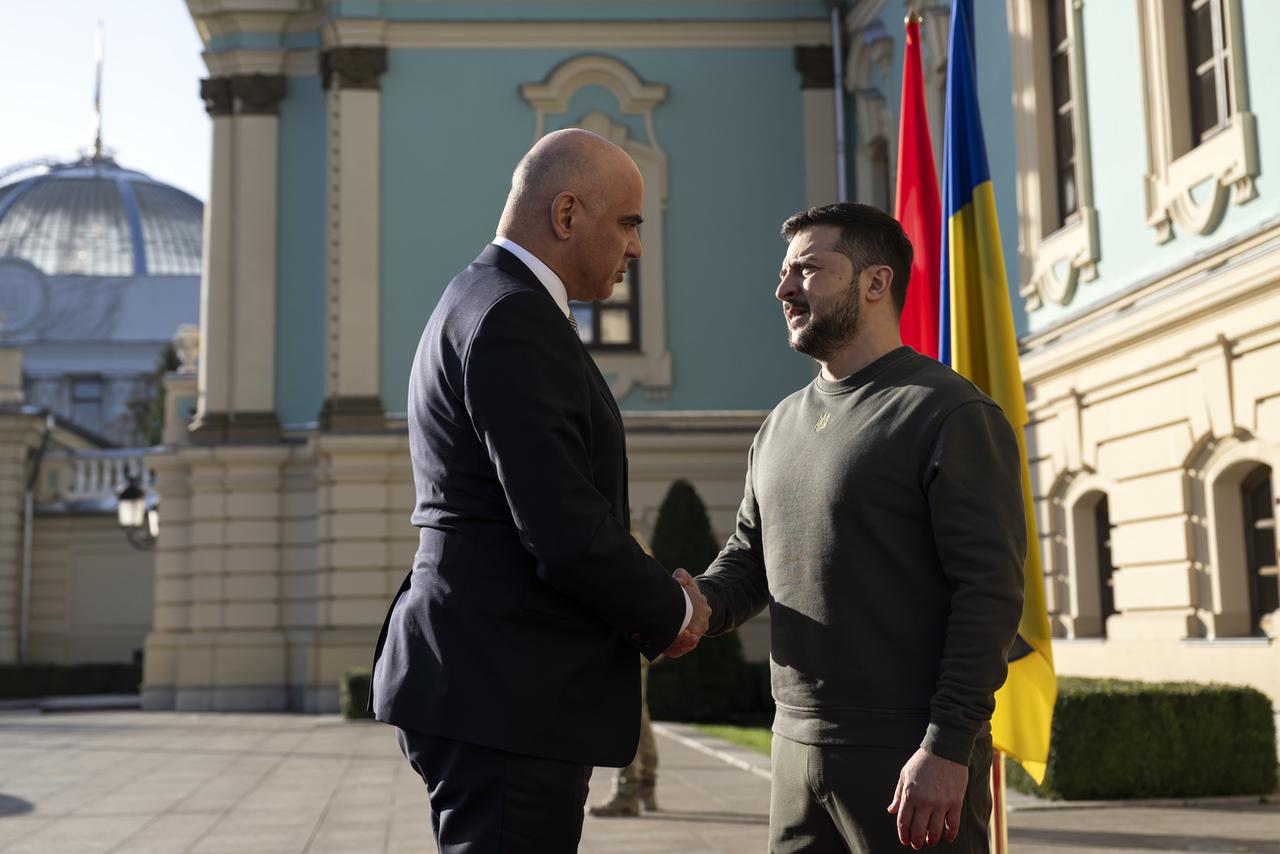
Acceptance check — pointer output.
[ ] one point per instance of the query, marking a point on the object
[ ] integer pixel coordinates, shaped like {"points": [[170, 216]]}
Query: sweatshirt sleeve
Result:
{"points": [[974, 486], [735, 584]]}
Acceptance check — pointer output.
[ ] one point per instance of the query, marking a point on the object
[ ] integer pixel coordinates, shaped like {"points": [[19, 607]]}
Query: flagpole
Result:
{"points": [[999, 828], [98, 50]]}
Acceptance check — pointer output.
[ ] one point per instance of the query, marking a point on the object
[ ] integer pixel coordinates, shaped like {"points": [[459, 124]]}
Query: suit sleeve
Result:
{"points": [[735, 584], [529, 400], [974, 488]]}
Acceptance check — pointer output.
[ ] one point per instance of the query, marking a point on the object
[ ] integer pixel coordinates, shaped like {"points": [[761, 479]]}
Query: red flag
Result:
{"points": [[918, 206]]}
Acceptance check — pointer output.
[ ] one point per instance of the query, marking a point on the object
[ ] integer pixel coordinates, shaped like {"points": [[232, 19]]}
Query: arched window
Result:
{"points": [[627, 333], [1092, 573], [1260, 546]]}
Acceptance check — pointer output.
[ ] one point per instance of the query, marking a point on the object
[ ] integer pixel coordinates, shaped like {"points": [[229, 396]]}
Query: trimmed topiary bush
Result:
{"points": [[353, 693], [1113, 739], [712, 683], [22, 681]]}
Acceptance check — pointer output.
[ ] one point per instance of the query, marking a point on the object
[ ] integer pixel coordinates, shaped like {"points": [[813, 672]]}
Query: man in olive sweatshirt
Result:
{"points": [[882, 525]]}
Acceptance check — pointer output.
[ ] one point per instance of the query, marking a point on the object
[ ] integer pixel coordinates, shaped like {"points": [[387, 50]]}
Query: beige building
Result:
{"points": [[1150, 269]]}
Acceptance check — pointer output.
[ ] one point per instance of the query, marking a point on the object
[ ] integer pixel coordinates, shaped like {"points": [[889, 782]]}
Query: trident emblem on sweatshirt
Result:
{"points": [[822, 422]]}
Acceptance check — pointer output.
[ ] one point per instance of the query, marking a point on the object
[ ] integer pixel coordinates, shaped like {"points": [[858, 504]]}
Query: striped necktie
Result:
{"points": [[573, 321]]}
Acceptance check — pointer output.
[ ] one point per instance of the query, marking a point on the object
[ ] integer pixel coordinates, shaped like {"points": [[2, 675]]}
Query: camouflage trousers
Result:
{"points": [[643, 771]]}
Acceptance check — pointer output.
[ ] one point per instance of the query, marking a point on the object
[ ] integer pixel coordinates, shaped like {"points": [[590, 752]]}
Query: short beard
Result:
{"points": [[824, 335]]}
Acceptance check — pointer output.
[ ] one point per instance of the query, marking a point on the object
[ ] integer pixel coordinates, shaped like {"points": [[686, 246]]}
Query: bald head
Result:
{"points": [[575, 203], [572, 160]]}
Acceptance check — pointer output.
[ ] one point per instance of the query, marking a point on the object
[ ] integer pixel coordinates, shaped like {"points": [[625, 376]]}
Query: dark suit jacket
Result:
{"points": [[519, 623]]}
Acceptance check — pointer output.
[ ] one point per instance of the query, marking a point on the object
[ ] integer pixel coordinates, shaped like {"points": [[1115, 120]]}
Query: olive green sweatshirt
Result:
{"points": [[883, 526]]}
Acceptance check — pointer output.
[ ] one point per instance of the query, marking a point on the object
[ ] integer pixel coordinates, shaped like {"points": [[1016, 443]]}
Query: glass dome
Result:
{"points": [[93, 218]]}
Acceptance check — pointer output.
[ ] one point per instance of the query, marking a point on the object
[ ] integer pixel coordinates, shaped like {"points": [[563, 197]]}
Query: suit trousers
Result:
{"points": [[827, 799], [486, 801]]}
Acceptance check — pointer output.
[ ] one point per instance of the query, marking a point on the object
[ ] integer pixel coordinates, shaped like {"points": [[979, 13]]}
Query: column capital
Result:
{"points": [[352, 67], [217, 97], [259, 94], [814, 62]]}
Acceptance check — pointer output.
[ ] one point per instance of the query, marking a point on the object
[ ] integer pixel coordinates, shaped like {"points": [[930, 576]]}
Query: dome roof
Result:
{"points": [[93, 218]]}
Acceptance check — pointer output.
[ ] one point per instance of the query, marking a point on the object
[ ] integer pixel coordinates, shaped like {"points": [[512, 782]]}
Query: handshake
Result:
{"points": [[688, 638]]}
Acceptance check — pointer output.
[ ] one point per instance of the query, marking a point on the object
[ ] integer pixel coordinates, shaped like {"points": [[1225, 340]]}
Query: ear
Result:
{"points": [[878, 283], [564, 209]]}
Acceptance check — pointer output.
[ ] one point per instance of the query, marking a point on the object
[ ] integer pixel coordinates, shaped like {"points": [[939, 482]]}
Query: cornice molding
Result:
{"points": [[580, 35]]}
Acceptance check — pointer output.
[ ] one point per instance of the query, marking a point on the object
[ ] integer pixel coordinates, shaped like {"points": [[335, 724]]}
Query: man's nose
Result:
{"points": [[787, 288], [634, 249]]}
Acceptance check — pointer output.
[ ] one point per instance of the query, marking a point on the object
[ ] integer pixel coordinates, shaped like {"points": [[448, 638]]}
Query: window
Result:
{"points": [[614, 323], [1106, 569], [1201, 135], [1057, 222], [1260, 546], [1090, 567], [1207, 55], [1064, 134], [86, 402]]}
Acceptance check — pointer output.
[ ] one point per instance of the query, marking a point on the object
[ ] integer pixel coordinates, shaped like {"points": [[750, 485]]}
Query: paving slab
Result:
{"points": [[131, 782]]}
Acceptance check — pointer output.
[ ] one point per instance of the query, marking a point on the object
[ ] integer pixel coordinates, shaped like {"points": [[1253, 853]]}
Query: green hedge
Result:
{"points": [[353, 693], [1113, 739], [22, 681], [712, 684]]}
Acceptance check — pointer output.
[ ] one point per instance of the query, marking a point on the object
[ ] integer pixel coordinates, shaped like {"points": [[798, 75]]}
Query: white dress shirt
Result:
{"points": [[556, 288], [545, 274]]}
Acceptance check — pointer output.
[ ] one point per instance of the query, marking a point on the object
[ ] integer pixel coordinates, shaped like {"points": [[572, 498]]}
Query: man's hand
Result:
{"points": [[928, 799], [688, 639]]}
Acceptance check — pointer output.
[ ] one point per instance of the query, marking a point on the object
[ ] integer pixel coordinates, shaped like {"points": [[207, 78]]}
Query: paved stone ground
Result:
{"points": [[168, 783]]}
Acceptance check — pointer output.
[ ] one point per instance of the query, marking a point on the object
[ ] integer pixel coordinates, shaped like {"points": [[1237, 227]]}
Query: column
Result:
{"points": [[238, 288], [213, 399], [817, 90], [352, 401]]}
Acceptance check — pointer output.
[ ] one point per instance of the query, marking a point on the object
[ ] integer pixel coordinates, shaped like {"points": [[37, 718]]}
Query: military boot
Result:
{"points": [[625, 801], [646, 797]]}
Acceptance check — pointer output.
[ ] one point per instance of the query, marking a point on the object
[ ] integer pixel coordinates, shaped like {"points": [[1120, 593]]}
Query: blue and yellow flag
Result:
{"points": [[976, 337]]}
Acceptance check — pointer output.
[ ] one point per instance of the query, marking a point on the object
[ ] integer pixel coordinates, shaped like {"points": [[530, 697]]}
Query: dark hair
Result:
{"points": [[868, 236]]}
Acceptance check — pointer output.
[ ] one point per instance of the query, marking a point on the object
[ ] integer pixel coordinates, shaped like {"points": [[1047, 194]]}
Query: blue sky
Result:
{"points": [[153, 118]]}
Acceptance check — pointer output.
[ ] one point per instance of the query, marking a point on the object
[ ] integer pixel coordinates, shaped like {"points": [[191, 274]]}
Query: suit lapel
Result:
{"points": [[602, 387]]}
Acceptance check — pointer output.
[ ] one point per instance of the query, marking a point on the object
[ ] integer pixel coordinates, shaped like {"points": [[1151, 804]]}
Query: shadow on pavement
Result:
{"points": [[1101, 840], [14, 806]]}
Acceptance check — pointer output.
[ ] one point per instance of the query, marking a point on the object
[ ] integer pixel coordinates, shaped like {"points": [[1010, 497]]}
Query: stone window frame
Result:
{"points": [[1055, 259], [1223, 474], [1226, 163], [650, 366]]}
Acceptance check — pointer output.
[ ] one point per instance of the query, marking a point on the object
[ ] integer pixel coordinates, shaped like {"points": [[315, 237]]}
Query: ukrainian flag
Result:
{"points": [[976, 337]]}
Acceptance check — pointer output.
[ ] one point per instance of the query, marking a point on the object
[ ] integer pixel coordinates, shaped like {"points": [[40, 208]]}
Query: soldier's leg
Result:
{"points": [[625, 798], [647, 754]]}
